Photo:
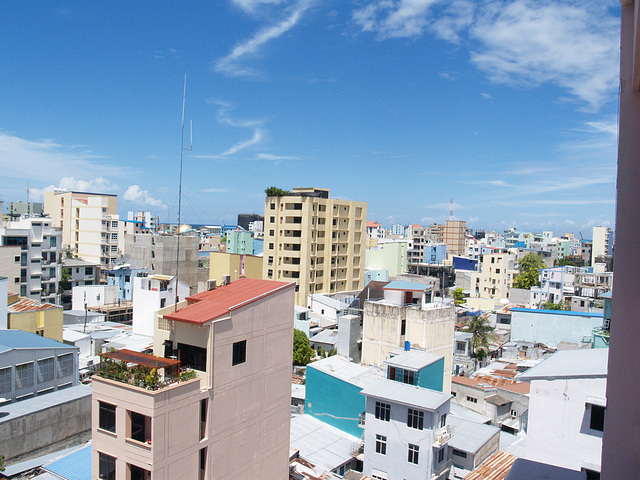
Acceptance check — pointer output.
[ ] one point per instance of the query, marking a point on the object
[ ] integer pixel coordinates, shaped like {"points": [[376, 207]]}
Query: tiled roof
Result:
{"points": [[373, 224], [28, 305], [209, 305]]}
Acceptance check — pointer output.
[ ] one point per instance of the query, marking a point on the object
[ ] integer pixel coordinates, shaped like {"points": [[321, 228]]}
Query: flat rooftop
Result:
{"points": [[406, 394], [583, 363], [413, 359], [347, 371]]}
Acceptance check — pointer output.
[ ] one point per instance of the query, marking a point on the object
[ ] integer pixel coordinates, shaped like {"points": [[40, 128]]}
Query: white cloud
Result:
{"points": [[257, 138], [231, 65], [97, 185], [135, 194], [269, 156], [216, 190], [487, 96], [573, 44], [250, 6], [44, 160]]}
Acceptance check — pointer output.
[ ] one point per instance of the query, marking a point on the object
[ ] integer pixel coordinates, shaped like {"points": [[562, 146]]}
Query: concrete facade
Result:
{"points": [[30, 316], [89, 223], [234, 265], [552, 326], [232, 420], [494, 277], [316, 241], [390, 256]]}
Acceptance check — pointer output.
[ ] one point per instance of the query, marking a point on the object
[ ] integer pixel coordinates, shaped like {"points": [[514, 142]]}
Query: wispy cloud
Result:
{"points": [[251, 6], [137, 195], [231, 64], [216, 190], [269, 156], [572, 44], [96, 185], [255, 139]]}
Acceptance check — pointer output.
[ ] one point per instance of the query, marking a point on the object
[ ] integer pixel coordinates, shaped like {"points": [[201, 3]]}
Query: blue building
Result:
{"points": [[122, 276], [463, 263], [416, 367], [435, 254], [333, 389]]}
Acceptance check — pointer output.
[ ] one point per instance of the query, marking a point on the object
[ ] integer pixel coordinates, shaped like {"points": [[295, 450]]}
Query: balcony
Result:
{"points": [[439, 470], [442, 436], [142, 370]]}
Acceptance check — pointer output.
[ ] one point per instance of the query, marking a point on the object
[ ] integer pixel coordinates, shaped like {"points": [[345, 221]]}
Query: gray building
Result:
{"points": [[31, 365], [81, 273]]}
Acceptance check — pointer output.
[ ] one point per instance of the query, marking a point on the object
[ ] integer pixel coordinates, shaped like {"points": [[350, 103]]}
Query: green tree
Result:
{"points": [[481, 334], [528, 276], [276, 192], [302, 351], [1, 463], [563, 262], [458, 296], [554, 306], [64, 279]]}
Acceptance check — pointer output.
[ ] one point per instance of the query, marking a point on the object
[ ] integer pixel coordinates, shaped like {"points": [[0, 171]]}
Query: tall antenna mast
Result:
{"points": [[451, 209], [182, 149]]}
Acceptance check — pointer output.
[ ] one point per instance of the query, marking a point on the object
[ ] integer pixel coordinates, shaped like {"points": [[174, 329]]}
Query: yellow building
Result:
{"points": [[235, 265], [25, 314], [316, 241]]}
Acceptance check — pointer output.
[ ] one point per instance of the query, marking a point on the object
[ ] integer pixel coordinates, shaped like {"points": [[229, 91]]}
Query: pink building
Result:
{"points": [[231, 420]]}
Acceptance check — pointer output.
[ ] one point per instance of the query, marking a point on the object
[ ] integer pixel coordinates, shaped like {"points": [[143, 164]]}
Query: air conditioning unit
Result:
{"points": [[226, 279]]}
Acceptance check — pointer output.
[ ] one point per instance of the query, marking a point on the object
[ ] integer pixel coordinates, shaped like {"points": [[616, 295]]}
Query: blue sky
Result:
{"points": [[507, 106]]}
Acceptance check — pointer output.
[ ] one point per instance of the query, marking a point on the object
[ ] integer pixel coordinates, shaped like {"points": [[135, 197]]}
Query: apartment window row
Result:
{"points": [[138, 425], [107, 469]]}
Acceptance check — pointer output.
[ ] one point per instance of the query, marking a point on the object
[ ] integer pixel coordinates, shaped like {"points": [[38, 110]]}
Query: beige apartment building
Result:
{"points": [[495, 275], [315, 241], [89, 223], [455, 232], [229, 422]]}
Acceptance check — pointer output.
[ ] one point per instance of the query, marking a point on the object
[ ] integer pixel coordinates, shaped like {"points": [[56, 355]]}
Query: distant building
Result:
{"points": [[148, 221], [602, 243], [245, 219], [80, 273], [89, 223], [316, 241], [495, 275], [17, 209], [122, 277], [390, 256], [240, 242], [233, 266], [44, 319]]}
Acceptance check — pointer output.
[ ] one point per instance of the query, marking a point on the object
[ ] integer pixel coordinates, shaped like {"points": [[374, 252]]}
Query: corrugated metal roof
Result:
{"points": [[407, 286], [28, 305], [470, 436], [496, 467], [11, 339], [76, 466], [215, 303], [570, 364], [406, 394]]}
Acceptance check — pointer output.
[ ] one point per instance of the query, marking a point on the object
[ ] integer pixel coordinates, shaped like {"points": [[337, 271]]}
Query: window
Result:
{"points": [[239, 352], [24, 375], [65, 364], [472, 399], [514, 413], [415, 419], [383, 411], [107, 417], [203, 464], [443, 420], [441, 454], [5, 380], [114, 248], [273, 206], [409, 377], [271, 246], [413, 453], [139, 427], [45, 369], [459, 453], [137, 473], [114, 236], [114, 224], [272, 233], [597, 417], [203, 418], [381, 444], [106, 466], [403, 328]]}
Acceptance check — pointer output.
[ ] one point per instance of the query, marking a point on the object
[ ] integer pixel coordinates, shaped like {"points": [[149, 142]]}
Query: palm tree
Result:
{"points": [[482, 333]]}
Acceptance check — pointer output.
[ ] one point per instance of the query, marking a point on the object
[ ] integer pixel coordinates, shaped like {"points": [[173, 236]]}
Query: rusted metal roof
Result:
{"points": [[496, 467], [138, 358], [28, 305]]}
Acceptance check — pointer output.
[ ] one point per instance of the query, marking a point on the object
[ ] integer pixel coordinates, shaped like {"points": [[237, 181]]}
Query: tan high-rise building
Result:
{"points": [[316, 241], [89, 223]]}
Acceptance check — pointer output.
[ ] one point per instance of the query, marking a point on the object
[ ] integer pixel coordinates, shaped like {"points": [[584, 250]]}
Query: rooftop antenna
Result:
{"points": [[27, 192], [451, 209], [182, 149]]}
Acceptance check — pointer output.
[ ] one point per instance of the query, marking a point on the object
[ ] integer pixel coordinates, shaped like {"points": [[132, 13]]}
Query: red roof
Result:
{"points": [[28, 305], [209, 305], [415, 225], [373, 224]]}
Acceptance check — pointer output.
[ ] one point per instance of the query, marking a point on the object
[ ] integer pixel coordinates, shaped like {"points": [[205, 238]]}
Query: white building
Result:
{"points": [[93, 296], [555, 284], [567, 408], [602, 243], [151, 294], [405, 433], [38, 258]]}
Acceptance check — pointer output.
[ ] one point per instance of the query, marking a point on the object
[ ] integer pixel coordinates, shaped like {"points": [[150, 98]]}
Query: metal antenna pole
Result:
{"points": [[184, 97]]}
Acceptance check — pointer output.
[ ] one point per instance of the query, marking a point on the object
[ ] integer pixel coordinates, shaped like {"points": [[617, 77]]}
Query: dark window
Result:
{"points": [[415, 419], [137, 473], [239, 352], [441, 455], [140, 427], [408, 377], [459, 453], [403, 328], [413, 453], [106, 466], [381, 444], [597, 418], [203, 418], [191, 356], [203, 463], [383, 411], [107, 417]]}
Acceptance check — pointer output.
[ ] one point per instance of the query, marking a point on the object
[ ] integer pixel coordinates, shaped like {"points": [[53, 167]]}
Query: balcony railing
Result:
{"points": [[440, 469], [442, 436], [142, 370]]}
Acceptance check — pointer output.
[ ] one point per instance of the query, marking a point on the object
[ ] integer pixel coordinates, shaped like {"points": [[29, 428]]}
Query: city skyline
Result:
{"points": [[508, 107]]}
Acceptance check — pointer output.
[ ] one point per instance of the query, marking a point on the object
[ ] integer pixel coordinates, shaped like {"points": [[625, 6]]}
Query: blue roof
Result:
{"points": [[10, 339], [403, 285], [608, 294], [76, 466], [557, 312]]}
